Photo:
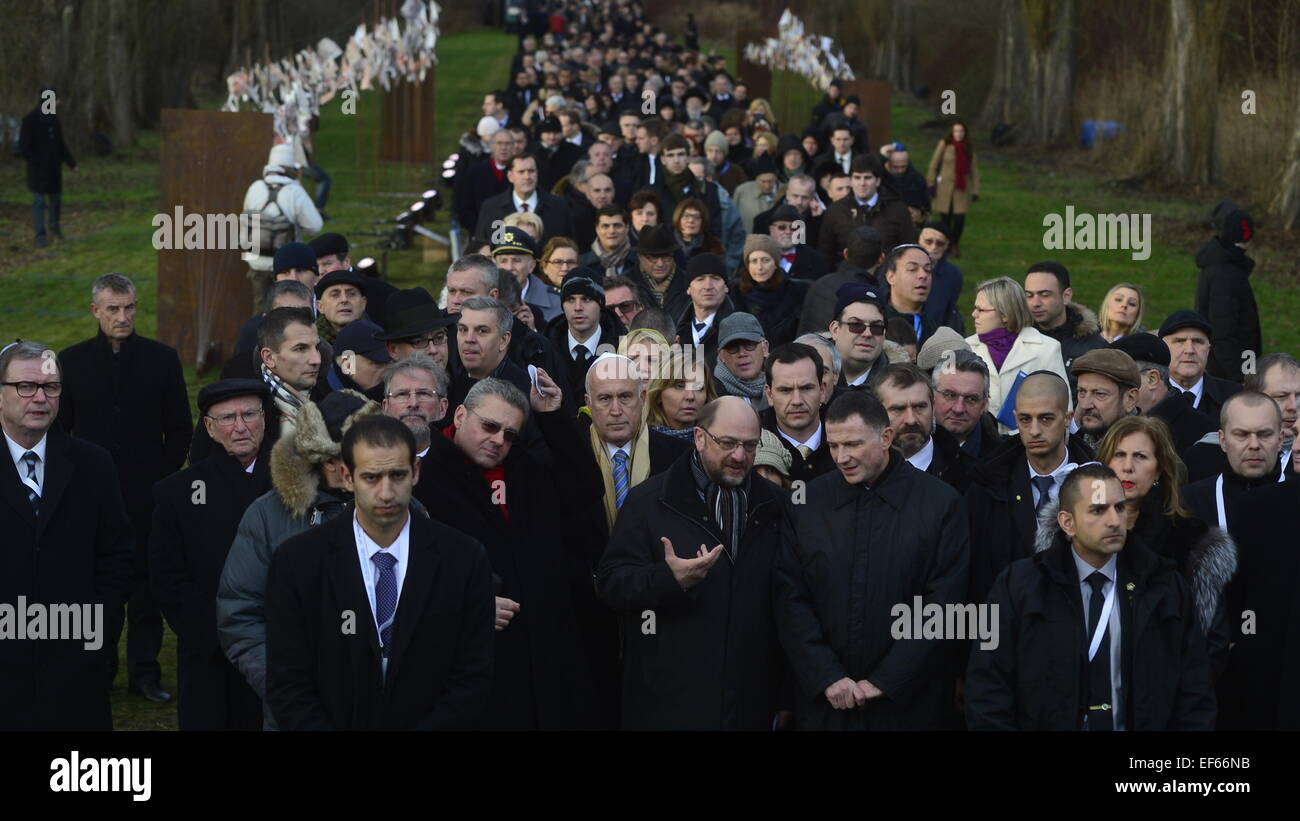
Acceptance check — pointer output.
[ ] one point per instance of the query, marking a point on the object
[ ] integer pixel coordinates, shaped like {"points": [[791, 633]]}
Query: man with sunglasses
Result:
{"points": [[195, 517], [67, 541], [742, 350], [875, 533], [689, 570], [540, 520], [623, 298], [858, 330]]}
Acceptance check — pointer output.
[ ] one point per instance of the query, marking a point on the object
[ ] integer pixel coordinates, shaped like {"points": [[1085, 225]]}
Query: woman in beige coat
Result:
{"points": [[1006, 339], [954, 181]]}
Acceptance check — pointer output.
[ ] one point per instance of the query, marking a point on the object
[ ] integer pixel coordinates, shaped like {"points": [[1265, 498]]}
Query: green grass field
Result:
{"points": [[109, 202]]}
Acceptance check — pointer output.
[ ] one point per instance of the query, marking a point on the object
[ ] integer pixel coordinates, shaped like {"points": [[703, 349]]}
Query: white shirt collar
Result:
{"points": [[922, 458], [576, 139], [422, 453], [251, 466], [610, 450], [532, 201], [1110, 569], [708, 323], [813, 442], [862, 377], [16, 451], [1058, 476], [366, 548], [871, 203], [1198, 390], [591, 344]]}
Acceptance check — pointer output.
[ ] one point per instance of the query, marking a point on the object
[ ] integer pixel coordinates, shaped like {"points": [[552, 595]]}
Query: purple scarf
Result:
{"points": [[999, 342]]}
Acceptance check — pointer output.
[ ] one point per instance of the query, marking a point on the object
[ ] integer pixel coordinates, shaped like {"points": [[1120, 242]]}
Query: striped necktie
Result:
{"points": [[620, 478], [31, 482], [385, 598]]}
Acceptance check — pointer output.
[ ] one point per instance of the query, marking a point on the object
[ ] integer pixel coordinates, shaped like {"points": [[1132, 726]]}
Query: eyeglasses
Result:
{"points": [[626, 307], [966, 398], [227, 420], [493, 428], [567, 263], [655, 260], [28, 389], [422, 395], [856, 327], [740, 345], [728, 444], [439, 338]]}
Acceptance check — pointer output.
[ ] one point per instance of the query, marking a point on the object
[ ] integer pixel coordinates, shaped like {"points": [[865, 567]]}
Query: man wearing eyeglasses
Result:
{"points": [[961, 403], [875, 533], [541, 520], [689, 570], [127, 394], [415, 393], [742, 350], [67, 541], [858, 330], [623, 297], [417, 325], [195, 516]]}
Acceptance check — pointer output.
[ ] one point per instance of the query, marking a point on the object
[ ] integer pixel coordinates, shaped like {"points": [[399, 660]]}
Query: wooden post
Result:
{"points": [[208, 160], [874, 98]]}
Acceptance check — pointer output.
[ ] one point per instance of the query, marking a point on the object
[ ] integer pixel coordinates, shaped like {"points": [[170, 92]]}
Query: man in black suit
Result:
{"points": [[196, 513], [485, 179], [585, 328], [346, 650], [555, 155], [706, 286], [648, 170], [127, 394], [67, 542], [905, 391], [1156, 397], [796, 393], [1188, 335], [799, 259], [525, 196]]}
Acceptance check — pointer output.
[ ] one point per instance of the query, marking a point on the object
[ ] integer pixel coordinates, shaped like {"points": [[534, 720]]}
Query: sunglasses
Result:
{"points": [[493, 428], [856, 327]]}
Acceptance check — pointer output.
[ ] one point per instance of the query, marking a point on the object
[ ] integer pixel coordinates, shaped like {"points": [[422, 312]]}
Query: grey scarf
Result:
{"points": [[728, 505], [612, 261], [752, 389]]}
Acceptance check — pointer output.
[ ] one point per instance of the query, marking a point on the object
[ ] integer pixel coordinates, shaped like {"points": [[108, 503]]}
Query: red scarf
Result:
{"points": [[490, 475], [963, 165], [499, 173]]}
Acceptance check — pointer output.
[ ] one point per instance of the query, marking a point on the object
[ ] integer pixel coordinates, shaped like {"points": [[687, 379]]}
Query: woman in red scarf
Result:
{"points": [[954, 180]]}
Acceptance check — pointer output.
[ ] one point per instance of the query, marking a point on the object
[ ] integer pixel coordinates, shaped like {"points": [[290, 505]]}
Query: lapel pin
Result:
{"points": [[1129, 587]]}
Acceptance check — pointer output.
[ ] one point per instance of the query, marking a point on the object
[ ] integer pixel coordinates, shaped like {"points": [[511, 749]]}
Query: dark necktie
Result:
{"points": [[581, 354], [1100, 714], [700, 326], [1044, 486], [1189, 398], [523, 206], [32, 484], [385, 598]]}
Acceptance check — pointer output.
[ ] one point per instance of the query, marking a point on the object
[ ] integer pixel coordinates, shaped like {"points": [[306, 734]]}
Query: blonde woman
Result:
{"points": [[1006, 339], [526, 220], [673, 402], [1121, 311], [760, 108], [647, 348]]}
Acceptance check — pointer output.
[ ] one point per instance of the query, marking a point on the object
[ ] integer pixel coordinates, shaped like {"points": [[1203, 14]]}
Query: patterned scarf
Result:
{"points": [[612, 261], [286, 398], [727, 504], [751, 389]]}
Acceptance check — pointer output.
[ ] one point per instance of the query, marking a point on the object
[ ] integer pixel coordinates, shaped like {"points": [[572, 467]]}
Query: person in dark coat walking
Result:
{"points": [[875, 533], [1150, 670], [40, 141], [869, 203], [419, 661], [689, 569], [1007, 487], [195, 515], [127, 394], [1251, 437], [1189, 335], [539, 523], [946, 281], [524, 195], [905, 391], [661, 280], [1157, 398], [861, 259], [796, 395], [585, 327], [1225, 298], [767, 292], [484, 179], [67, 540]]}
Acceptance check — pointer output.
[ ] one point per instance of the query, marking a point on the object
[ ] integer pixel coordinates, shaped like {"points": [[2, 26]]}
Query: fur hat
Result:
{"points": [[310, 442]]}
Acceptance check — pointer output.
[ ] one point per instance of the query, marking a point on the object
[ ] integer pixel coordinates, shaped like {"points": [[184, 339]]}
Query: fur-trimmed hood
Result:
{"points": [[304, 446], [1082, 320], [894, 353], [1210, 566]]}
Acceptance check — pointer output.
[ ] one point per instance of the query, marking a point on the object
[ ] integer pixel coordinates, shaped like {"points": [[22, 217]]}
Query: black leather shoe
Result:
{"points": [[151, 692]]}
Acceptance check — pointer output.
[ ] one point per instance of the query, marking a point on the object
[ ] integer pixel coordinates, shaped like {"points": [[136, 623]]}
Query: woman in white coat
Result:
{"points": [[1006, 339]]}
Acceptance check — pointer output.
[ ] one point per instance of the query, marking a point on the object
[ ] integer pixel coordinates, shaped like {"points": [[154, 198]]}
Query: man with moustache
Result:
{"points": [[415, 394], [874, 533], [1108, 384], [1075, 653], [712, 660], [905, 391], [796, 393]]}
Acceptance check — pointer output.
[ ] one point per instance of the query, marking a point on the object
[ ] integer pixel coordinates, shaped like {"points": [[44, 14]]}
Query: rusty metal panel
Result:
{"points": [[406, 122], [208, 159], [759, 77], [874, 97]]}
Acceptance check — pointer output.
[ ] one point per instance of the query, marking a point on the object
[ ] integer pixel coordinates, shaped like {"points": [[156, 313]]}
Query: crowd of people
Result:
{"points": [[696, 414]]}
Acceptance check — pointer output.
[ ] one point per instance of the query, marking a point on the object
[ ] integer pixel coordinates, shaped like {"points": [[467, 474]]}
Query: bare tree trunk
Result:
{"points": [[1183, 146], [1005, 102], [1049, 26], [1286, 203], [895, 54], [118, 73]]}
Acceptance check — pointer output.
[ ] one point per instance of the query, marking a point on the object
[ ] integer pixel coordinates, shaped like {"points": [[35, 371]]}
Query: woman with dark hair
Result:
{"points": [[643, 207], [691, 229], [954, 181], [763, 289]]}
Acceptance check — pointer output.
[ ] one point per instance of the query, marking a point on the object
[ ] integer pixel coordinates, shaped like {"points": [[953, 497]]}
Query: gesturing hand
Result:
{"points": [[506, 610], [554, 396], [845, 695], [690, 572]]}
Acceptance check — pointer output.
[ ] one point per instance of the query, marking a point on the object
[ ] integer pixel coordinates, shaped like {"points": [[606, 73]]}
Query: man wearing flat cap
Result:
{"points": [[1189, 336], [742, 350], [1155, 395], [1108, 391], [341, 298], [359, 360], [417, 325], [584, 327], [513, 250], [334, 254], [196, 513]]}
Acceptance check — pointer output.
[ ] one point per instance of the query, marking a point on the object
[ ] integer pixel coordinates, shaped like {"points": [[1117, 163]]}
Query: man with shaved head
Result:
{"points": [[688, 568], [1010, 485]]}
